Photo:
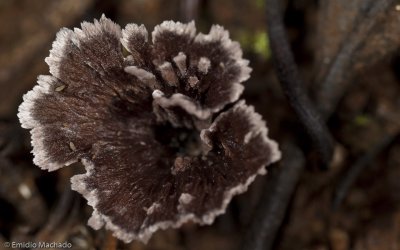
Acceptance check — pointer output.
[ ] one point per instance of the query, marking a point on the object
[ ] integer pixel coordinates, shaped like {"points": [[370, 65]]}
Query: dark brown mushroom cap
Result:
{"points": [[209, 68], [141, 192], [148, 127]]}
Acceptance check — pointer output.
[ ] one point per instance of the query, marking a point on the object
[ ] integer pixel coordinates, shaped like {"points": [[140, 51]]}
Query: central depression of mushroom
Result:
{"points": [[157, 125]]}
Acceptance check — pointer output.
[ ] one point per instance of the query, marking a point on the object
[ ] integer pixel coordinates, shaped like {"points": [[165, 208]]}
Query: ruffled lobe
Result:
{"points": [[208, 68], [89, 97], [145, 191], [148, 127], [180, 111]]}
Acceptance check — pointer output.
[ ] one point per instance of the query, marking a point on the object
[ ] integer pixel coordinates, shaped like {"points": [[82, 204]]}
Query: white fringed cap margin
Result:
{"points": [[46, 86], [99, 220], [218, 33], [46, 82]]}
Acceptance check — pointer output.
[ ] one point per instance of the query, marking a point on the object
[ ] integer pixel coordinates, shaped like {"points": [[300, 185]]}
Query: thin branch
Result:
{"points": [[189, 10], [355, 170], [59, 213], [281, 183], [334, 85], [293, 86], [273, 205], [270, 213]]}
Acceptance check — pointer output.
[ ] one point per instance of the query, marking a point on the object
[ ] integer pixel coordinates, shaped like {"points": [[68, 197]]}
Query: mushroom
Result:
{"points": [[161, 133]]}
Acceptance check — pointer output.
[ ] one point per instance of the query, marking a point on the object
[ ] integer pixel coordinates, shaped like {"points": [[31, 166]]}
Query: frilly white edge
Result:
{"points": [[42, 159], [98, 220]]}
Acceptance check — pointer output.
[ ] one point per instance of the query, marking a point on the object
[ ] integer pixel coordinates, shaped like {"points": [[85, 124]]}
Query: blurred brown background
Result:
{"points": [[39, 206]]}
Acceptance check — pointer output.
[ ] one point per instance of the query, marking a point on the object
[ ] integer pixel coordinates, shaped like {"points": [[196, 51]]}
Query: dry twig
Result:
{"points": [[334, 85], [281, 183], [355, 170], [293, 86]]}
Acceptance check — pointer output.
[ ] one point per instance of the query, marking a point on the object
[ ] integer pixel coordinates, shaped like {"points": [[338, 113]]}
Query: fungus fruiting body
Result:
{"points": [[157, 124]]}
